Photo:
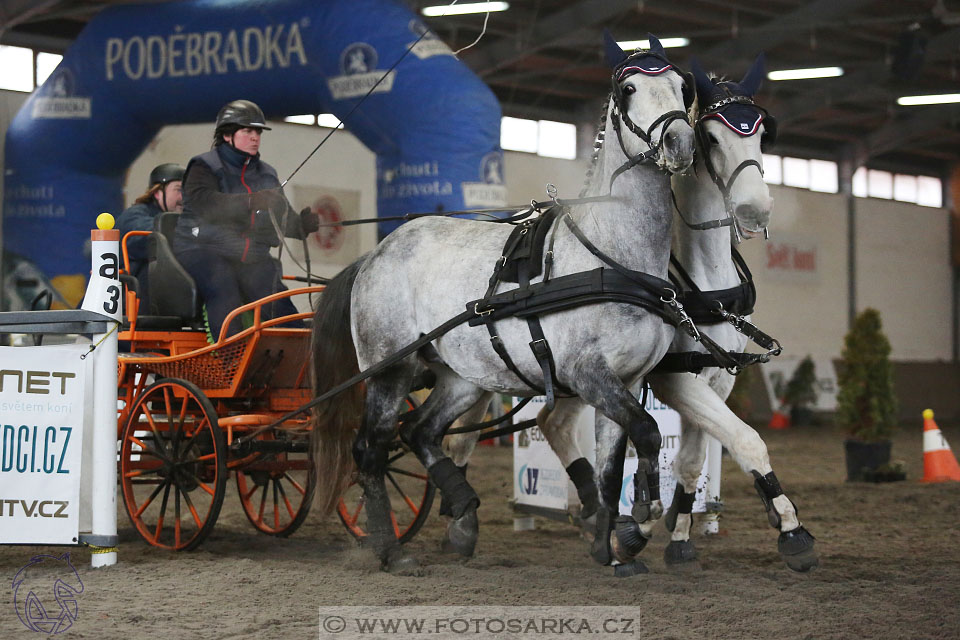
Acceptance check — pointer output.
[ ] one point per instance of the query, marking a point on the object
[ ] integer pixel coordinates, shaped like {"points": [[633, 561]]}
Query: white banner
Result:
{"points": [[541, 480], [43, 394]]}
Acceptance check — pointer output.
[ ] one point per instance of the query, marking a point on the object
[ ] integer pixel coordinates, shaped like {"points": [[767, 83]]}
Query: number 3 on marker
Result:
{"points": [[112, 303]]}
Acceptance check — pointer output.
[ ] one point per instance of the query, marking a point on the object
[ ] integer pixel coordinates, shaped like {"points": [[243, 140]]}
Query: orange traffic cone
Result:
{"points": [[939, 463], [779, 420]]}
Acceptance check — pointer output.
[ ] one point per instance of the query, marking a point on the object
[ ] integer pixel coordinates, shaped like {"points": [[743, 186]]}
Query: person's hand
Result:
{"points": [[271, 200], [309, 221]]}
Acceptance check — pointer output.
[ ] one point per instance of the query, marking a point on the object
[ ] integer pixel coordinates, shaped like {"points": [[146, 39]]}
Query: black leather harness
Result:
{"points": [[524, 257]]}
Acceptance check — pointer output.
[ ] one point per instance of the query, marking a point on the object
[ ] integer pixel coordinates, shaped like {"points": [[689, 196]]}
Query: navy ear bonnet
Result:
{"points": [[652, 63], [732, 103]]}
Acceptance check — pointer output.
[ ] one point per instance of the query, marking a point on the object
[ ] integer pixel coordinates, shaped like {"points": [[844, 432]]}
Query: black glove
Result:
{"points": [[309, 221], [271, 200]]}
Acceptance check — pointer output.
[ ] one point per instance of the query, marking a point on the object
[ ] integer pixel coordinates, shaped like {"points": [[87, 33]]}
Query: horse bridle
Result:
{"points": [[619, 113], [724, 187]]}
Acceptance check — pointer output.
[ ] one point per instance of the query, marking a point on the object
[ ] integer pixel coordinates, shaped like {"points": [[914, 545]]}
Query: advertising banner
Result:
{"points": [[42, 401], [540, 479]]}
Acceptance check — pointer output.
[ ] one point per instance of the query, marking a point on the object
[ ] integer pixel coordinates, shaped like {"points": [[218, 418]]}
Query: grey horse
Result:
{"points": [[730, 129], [423, 274]]}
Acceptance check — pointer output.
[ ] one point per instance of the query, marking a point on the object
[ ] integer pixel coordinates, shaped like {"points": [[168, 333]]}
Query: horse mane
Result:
{"points": [[597, 144]]}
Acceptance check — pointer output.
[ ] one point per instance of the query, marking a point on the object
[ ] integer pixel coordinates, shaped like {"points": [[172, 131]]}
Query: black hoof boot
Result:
{"points": [[681, 554], [796, 549], [627, 541], [400, 563], [462, 534], [633, 568]]}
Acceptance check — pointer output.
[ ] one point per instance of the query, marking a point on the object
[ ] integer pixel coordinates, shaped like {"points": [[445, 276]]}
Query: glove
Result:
{"points": [[309, 221], [271, 200]]}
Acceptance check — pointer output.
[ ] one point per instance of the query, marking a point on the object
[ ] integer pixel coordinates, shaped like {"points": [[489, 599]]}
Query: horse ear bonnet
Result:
{"points": [[652, 62], [732, 103], [614, 55]]}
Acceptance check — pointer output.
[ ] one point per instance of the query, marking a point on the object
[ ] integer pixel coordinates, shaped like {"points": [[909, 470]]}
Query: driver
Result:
{"points": [[232, 207]]}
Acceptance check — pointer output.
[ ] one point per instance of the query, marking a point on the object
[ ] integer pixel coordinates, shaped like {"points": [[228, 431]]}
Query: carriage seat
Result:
{"points": [[174, 301]]}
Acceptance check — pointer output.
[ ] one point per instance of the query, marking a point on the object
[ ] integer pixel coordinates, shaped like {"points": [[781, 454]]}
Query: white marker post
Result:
{"points": [[104, 296]]}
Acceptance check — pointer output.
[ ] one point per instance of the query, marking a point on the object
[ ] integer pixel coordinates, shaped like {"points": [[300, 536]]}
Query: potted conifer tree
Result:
{"points": [[800, 393], [866, 402]]}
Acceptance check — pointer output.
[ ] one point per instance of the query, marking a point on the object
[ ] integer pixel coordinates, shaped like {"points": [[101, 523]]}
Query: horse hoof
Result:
{"points": [[462, 534], [681, 554], [633, 568], [796, 549], [401, 563]]}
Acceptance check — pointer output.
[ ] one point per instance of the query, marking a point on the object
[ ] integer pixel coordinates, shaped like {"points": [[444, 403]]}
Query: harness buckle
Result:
{"points": [[476, 310], [552, 191]]}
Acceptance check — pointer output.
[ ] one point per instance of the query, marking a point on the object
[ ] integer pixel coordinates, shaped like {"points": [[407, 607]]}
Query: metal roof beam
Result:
{"points": [[551, 29], [783, 29]]}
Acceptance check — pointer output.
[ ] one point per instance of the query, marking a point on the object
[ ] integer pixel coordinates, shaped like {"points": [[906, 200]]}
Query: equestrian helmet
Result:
{"points": [[164, 173], [241, 114]]}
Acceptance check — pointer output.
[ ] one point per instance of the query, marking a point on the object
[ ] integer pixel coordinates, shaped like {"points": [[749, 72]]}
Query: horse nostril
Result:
{"points": [[671, 137]]}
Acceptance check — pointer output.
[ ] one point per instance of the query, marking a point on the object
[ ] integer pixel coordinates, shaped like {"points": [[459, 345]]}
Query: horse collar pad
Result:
{"points": [[648, 64], [745, 119]]}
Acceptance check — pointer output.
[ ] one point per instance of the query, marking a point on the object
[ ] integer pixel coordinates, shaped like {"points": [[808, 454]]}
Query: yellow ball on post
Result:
{"points": [[105, 221]]}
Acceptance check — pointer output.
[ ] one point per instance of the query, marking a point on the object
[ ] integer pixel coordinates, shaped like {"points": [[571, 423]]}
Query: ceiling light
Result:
{"points": [[668, 43], [459, 9], [942, 98], [806, 74]]}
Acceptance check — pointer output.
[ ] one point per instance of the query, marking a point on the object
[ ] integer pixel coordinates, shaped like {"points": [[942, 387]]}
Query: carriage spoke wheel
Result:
{"points": [[173, 469], [410, 490], [276, 490]]}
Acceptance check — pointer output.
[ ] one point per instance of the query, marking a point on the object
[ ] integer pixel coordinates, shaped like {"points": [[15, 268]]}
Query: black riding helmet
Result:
{"points": [[164, 173], [239, 114]]}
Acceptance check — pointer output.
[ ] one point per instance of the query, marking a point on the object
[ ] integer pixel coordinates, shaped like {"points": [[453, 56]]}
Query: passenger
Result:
{"points": [[163, 194], [232, 207]]}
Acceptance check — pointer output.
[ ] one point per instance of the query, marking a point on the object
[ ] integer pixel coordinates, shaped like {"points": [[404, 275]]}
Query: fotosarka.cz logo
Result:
{"points": [[46, 592]]}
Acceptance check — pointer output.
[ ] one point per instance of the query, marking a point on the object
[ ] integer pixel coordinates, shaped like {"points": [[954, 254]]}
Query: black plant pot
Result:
{"points": [[863, 458]]}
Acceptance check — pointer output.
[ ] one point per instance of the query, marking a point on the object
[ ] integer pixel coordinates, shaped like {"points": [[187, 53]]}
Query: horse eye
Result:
{"points": [[629, 90], [712, 138]]}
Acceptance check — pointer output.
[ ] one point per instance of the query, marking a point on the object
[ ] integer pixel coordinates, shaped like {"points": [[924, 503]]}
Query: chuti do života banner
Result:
{"points": [[433, 125]]}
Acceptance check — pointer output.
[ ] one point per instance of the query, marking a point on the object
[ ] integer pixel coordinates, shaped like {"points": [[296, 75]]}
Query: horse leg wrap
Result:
{"points": [[445, 506], [451, 482], [580, 472], [682, 503], [600, 550], [646, 489], [769, 488], [628, 540]]}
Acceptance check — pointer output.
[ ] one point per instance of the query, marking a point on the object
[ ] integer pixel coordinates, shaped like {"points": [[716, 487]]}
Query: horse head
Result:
{"points": [[732, 132], [651, 96]]}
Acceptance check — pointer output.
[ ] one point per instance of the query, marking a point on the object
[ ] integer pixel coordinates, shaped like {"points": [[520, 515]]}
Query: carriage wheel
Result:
{"points": [[173, 468], [277, 490], [410, 490]]}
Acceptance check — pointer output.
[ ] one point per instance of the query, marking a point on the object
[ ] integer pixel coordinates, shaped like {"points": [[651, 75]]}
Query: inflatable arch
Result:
{"points": [[433, 125]]}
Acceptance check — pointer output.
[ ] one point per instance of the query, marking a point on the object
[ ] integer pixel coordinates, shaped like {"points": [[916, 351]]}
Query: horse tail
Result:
{"points": [[334, 360]]}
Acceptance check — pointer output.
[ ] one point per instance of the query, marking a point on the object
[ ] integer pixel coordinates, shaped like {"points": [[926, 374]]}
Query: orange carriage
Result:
{"points": [[190, 413]]}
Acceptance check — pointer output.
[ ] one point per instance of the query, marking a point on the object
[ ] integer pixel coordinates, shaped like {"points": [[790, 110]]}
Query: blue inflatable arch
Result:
{"points": [[433, 125]]}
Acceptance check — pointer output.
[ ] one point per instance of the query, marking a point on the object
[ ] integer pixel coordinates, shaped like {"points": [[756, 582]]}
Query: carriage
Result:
{"points": [[189, 412]]}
